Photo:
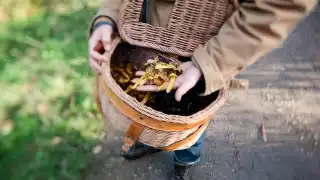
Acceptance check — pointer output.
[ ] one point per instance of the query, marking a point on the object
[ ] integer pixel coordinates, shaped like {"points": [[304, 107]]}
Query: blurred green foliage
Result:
{"points": [[21, 9], [49, 123]]}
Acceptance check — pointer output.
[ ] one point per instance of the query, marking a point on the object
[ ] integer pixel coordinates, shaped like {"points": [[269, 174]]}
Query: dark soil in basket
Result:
{"points": [[191, 103]]}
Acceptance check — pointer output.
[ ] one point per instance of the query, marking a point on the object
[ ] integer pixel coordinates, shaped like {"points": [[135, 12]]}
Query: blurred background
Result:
{"points": [[49, 124]]}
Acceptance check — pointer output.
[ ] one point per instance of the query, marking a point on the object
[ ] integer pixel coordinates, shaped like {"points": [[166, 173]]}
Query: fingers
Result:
{"points": [[147, 88], [104, 34], [101, 35], [182, 90], [94, 65], [184, 86], [140, 73], [178, 82], [106, 41], [189, 79], [93, 42], [96, 56], [150, 61], [135, 80]]}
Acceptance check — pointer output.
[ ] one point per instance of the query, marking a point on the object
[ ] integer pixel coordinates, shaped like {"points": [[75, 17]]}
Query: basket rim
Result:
{"points": [[145, 110]]}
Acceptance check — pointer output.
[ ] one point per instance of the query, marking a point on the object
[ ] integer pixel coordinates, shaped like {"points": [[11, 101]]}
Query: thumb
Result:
{"points": [[106, 39], [182, 90]]}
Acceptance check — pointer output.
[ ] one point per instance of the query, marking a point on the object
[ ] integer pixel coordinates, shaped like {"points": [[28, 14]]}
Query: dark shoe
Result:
{"points": [[138, 150], [180, 173]]}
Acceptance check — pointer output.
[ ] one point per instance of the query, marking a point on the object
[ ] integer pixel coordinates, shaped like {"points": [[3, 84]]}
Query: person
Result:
{"points": [[253, 30]]}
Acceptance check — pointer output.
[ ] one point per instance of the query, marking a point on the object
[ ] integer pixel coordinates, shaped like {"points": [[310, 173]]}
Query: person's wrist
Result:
{"points": [[102, 20], [196, 65]]}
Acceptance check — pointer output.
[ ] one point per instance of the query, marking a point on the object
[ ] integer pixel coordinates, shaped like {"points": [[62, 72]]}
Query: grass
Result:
{"points": [[49, 123]]}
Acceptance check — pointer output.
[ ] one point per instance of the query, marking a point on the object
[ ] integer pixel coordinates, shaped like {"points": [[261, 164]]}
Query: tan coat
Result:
{"points": [[254, 29]]}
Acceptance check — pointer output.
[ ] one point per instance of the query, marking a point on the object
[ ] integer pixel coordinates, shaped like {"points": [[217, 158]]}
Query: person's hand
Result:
{"points": [[100, 38], [184, 82]]}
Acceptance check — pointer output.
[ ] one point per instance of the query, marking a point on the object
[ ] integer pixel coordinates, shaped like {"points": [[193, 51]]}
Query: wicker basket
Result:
{"points": [[199, 21], [154, 128], [192, 22]]}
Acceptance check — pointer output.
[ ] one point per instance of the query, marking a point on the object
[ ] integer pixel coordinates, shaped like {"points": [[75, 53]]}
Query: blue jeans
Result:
{"points": [[191, 155]]}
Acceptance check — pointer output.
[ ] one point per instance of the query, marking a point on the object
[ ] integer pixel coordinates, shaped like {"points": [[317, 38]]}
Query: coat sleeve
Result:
{"points": [[254, 29], [108, 11]]}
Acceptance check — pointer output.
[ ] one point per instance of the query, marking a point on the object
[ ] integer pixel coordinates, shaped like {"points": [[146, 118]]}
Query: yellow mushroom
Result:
{"points": [[141, 81], [145, 98], [158, 73], [161, 65], [123, 80], [171, 82], [162, 86], [129, 89], [157, 81], [129, 69]]}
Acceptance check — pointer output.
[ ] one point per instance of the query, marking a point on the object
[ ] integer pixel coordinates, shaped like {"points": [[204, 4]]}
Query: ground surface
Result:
{"points": [[284, 96]]}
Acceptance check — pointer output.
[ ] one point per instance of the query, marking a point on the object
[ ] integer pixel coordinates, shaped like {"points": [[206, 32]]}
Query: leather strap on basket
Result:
{"points": [[96, 93], [132, 135], [147, 121], [133, 131], [187, 141]]}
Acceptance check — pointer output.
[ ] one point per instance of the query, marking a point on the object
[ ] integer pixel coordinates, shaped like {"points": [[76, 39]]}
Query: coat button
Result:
{"points": [[240, 68]]}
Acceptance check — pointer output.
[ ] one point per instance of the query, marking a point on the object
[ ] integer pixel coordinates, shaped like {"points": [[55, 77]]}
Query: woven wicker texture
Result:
{"points": [[117, 121], [192, 22], [147, 111]]}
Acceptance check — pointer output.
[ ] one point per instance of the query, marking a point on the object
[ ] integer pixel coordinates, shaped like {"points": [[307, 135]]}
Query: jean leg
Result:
{"points": [[191, 155]]}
